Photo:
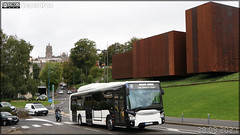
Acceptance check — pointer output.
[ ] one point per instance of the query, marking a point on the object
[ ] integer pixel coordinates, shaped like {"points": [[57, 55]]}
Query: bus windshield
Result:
{"points": [[144, 98]]}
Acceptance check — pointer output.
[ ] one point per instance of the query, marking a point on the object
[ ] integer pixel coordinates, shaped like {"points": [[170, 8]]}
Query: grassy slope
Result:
{"points": [[198, 79], [220, 100]]}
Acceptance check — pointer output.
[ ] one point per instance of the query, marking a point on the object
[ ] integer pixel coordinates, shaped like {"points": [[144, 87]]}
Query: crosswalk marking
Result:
{"points": [[47, 125], [36, 125], [24, 127]]}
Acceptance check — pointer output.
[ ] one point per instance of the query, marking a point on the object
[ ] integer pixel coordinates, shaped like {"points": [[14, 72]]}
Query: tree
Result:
{"points": [[15, 65], [84, 55], [129, 44], [36, 71], [68, 72], [53, 70]]}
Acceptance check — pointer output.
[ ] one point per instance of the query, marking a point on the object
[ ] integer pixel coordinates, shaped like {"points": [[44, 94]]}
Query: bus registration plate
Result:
{"points": [[148, 123]]}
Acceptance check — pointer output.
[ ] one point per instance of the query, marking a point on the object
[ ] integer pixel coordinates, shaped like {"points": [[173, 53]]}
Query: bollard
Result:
{"points": [[208, 118], [182, 117]]}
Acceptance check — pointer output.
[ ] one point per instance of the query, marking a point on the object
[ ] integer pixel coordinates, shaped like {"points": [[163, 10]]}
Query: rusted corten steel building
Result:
{"points": [[212, 38], [160, 55], [122, 66]]}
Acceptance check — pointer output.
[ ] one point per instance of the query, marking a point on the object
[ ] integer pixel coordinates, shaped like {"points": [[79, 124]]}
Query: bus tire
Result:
{"points": [[80, 120], [141, 127], [110, 124]]}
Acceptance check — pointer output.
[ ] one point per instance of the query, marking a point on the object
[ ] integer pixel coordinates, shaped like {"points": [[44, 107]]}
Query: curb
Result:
{"points": [[201, 125]]}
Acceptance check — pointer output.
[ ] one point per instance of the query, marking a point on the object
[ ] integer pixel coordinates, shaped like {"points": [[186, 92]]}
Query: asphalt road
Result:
{"points": [[48, 125]]}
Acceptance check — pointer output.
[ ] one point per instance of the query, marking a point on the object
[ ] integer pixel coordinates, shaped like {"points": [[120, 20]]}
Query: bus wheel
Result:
{"points": [[79, 120], [110, 125], [141, 127]]}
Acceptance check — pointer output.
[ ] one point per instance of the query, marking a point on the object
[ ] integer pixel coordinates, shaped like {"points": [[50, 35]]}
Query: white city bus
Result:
{"points": [[128, 104]]}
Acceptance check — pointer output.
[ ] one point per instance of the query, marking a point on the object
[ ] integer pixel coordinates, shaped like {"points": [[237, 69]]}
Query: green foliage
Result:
{"points": [[220, 100], [69, 70], [84, 55], [36, 71], [54, 69], [89, 79], [5, 109], [95, 72], [15, 65], [129, 44]]}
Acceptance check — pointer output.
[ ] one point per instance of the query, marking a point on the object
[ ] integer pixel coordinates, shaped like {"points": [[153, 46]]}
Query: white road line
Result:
{"points": [[58, 123], [36, 125], [173, 129], [48, 125], [68, 122], [176, 130], [13, 127], [92, 130], [24, 127]]}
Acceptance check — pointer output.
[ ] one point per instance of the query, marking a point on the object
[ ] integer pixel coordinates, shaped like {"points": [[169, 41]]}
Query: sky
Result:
{"points": [[62, 24]]}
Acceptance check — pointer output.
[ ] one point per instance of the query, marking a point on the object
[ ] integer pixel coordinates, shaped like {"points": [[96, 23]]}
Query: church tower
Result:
{"points": [[48, 51]]}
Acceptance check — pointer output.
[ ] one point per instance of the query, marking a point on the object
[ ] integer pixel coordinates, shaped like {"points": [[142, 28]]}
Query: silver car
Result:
{"points": [[6, 104]]}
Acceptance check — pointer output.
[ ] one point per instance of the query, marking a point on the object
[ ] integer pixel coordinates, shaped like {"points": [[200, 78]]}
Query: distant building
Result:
{"points": [[40, 61]]}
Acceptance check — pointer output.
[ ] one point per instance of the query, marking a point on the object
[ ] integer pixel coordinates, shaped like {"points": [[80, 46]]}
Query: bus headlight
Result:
{"points": [[162, 114], [131, 117]]}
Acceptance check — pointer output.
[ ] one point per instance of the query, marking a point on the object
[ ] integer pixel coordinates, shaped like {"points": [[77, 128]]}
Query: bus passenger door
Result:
{"points": [[119, 108], [88, 109], [74, 109]]}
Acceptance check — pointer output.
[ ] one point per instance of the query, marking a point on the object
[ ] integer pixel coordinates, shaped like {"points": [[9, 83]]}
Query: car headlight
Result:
{"points": [[9, 118], [131, 117], [162, 114]]}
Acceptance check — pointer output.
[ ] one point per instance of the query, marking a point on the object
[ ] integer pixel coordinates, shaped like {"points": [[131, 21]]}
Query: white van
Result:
{"points": [[36, 109]]}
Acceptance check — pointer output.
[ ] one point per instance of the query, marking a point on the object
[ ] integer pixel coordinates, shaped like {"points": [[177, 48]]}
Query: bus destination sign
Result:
{"points": [[144, 86]]}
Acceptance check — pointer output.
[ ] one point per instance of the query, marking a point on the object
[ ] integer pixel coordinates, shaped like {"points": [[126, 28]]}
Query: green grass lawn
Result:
{"points": [[220, 100], [21, 104], [198, 79]]}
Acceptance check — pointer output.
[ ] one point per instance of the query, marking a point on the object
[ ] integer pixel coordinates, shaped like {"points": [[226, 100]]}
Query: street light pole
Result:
{"points": [[107, 62], [48, 81]]}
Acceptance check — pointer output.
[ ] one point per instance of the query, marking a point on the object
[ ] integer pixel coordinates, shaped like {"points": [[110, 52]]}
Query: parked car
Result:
{"points": [[6, 104], [69, 92], [60, 92], [41, 97], [7, 118], [36, 109]]}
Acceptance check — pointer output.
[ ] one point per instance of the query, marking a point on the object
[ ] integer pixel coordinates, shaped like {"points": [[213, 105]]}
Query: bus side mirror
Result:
{"points": [[162, 91]]}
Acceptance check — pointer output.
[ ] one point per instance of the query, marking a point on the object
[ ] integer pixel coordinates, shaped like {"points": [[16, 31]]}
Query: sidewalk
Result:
{"points": [[202, 122]]}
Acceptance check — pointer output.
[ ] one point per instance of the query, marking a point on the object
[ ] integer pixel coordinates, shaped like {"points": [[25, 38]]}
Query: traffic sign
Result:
{"points": [[50, 100]]}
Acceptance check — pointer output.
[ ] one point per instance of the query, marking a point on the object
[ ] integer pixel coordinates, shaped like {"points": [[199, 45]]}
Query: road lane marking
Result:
{"points": [[68, 122], [58, 123], [48, 125], [92, 130], [173, 129], [13, 127], [24, 127], [36, 125]]}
